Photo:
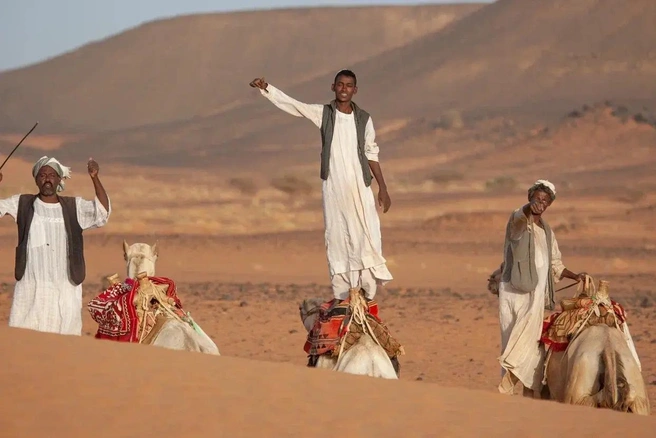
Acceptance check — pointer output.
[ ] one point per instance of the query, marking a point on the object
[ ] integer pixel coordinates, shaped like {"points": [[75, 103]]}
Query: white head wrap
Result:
{"points": [[545, 183], [63, 171]]}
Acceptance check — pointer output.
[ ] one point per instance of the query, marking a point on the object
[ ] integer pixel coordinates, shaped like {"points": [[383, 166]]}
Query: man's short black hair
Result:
{"points": [[541, 188], [347, 73]]}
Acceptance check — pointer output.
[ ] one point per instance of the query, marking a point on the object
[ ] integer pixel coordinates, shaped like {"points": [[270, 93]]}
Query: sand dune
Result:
{"points": [[61, 386]]}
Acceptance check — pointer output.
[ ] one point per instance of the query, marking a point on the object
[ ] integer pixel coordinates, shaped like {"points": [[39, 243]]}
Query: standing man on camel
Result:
{"points": [[349, 162], [531, 266], [50, 265]]}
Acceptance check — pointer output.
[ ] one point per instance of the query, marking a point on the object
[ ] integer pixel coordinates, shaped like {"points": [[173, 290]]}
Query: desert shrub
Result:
{"points": [[245, 185], [451, 119], [292, 185], [501, 183], [443, 176]]}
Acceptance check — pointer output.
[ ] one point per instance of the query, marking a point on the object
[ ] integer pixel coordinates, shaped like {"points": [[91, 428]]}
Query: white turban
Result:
{"points": [[63, 171], [544, 183]]}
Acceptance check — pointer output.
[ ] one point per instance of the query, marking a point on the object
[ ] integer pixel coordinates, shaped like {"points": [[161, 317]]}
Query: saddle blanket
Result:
{"points": [[331, 326], [115, 312], [558, 328]]}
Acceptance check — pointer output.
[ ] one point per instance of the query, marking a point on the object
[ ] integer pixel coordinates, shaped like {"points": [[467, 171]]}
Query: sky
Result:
{"points": [[34, 30]]}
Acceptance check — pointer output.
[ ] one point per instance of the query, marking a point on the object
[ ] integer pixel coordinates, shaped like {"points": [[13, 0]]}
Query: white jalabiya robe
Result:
{"points": [[352, 237], [521, 314], [45, 299]]}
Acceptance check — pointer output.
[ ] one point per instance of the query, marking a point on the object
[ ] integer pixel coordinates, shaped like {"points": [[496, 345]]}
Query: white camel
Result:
{"points": [[174, 334], [365, 357], [598, 368]]}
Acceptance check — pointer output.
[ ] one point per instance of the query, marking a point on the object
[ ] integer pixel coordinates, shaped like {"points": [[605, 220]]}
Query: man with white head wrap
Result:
{"points": [[50, 265], [532, 265]]}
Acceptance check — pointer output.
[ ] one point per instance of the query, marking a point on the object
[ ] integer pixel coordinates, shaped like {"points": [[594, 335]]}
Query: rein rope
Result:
{"points": [[148, 292], [587, 285], [357, 306]]}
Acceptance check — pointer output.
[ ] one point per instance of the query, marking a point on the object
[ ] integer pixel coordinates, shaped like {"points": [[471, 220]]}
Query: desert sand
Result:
{"points": [[472, 104], [132, 390]]}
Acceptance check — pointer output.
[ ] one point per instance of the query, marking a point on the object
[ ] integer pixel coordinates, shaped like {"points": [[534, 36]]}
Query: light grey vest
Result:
{"points": [[519, 263]]}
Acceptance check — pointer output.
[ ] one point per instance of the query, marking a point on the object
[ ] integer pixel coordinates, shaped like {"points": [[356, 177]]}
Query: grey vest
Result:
{"points": [[519, 263], [76, 265], [328, 127]]}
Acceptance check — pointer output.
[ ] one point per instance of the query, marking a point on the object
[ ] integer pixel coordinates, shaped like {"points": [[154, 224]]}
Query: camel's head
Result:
{"points": [[140, 257], [309, 311]]}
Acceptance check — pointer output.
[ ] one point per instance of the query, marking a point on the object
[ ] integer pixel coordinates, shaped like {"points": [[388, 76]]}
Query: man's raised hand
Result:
{"points": [[93, 168], [259, 83], [537, 208]]}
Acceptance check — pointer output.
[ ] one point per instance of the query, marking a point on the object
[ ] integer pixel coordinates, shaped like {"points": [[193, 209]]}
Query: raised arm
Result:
{"points": [[101, 194], [518, 222], [371, 151], [94, 214], [313, 112]]}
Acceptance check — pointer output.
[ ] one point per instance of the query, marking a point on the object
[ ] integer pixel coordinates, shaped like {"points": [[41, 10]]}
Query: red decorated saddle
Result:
{"points": [[578, 313], [331, 326], [117, 313]]}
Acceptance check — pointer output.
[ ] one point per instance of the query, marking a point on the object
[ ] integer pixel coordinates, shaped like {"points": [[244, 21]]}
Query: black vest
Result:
{"points": [[76, 265]]}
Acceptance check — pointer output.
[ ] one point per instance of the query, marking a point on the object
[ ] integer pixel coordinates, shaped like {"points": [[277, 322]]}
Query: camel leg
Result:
{"points": [[582, 381], [396, 365], [528, 392], [556, 376], [545, 394], [640, 406]]}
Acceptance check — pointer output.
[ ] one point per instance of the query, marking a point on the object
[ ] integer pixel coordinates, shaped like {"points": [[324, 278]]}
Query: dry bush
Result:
{"points": [[292, 185], [246, 186], [501, 183], [451, 119], [443, 176], [631, 196]]}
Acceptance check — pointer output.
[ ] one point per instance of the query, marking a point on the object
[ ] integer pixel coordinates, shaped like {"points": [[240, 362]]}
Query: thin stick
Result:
{"points": [[567, 287], [19, 143]]}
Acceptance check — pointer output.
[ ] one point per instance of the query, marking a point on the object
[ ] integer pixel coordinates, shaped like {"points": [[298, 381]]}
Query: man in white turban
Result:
{"points": [[532, 265], [50, 265]]}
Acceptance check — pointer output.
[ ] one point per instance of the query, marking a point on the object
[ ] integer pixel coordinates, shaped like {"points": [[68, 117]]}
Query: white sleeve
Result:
{"points": [[92, 214], [370, 147], [9, 206], [557, 266], [313, 112]]}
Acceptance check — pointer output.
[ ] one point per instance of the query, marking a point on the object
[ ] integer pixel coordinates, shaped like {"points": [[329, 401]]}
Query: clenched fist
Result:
{"points": [[93, 168], [259, 83]]}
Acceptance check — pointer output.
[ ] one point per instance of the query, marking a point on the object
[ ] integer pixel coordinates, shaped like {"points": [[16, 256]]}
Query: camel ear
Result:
{"points": [[154, 249], [125, 248]]}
